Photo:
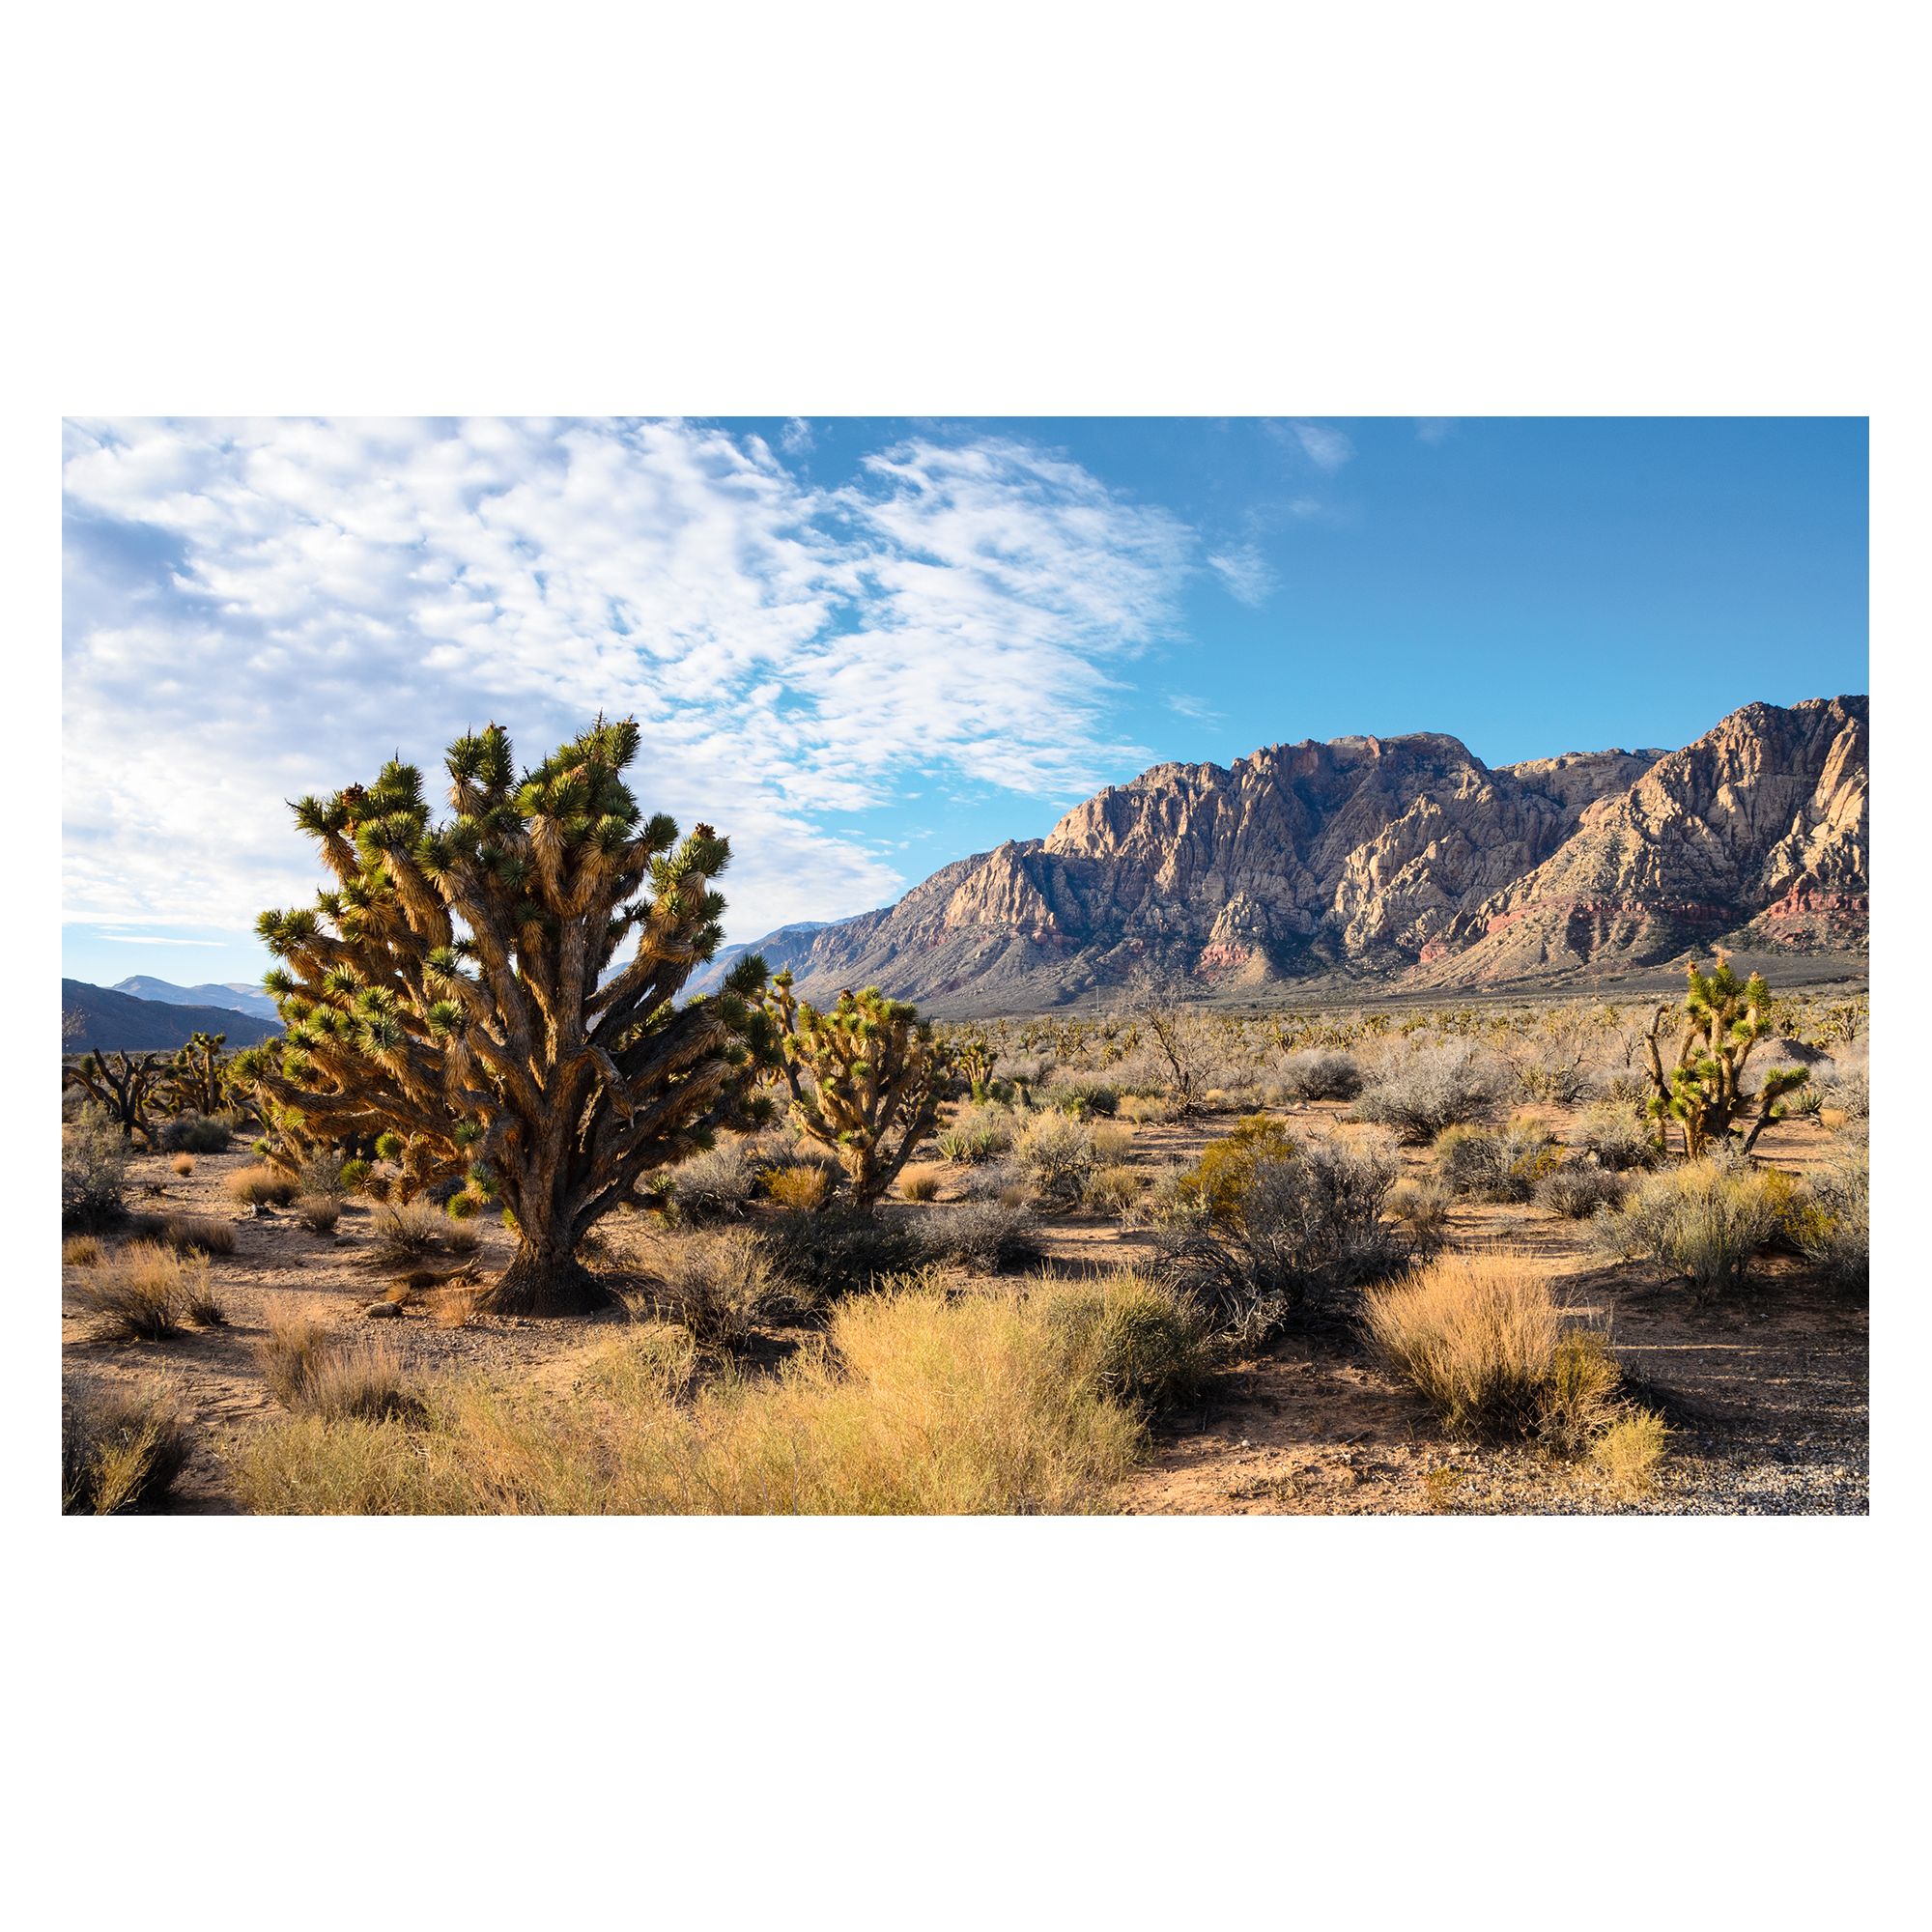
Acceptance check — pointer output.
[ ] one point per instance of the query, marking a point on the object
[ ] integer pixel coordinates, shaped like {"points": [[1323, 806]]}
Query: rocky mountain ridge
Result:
{"points": [[1402, 861]]}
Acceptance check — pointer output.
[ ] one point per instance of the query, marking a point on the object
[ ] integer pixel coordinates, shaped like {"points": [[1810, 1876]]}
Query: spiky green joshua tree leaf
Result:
{"points": [[457, 987], [864, 1079], [1705, 1089]]}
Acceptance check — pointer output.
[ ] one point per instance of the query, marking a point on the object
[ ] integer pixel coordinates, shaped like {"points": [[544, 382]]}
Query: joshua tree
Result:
{"points": [[195, 1077], [973, 1057], [450, 991], [123, 1083], [1705, 1090], [864, 1079]]}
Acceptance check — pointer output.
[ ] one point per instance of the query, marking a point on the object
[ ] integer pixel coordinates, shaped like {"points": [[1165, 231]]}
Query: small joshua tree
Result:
{"points": [[974, 1058], [449, 995], [123, 1083], [196, 1078], [864, 1080], [1705, 1090]]}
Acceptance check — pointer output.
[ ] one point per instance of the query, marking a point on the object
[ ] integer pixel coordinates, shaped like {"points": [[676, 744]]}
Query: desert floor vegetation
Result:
{"points": [[1079, 1293]]}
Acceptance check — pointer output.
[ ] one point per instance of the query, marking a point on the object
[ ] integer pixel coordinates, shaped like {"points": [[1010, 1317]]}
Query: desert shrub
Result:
{"points": [[199, 1232], [1420, 1208], [842, 1250], [1480, 1336], [998, 1180], [1704, 1222], [1849, 1089], [1833, 1232], [1111, 1142], [1309, 1227], [1142, 1108], [323, 1176], [802, 1189], [144, 1290], [1220, 1178], [1629, 1451], [194, 1133], [333, 1379], [262, 1186], [976, 1133], [985, 1236], [1801, 1103], [1616, 1136], [1420, 1092], [719, 1288], [1131, 1338], [81, 1251], [919, 1183], [1114, 1189], [718, 1183], [120, 1452], [1055, 1156], [319, 1213], [181, 1166], [94, 1170], [1500, 1164], [1575, 1190], [921, 1404], [1080, 1098], [410, 1234], [1319, 1074], [353, 1175]]}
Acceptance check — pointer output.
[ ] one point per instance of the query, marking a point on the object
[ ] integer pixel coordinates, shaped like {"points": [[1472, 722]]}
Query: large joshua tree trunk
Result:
{"points": [[457, 996]]}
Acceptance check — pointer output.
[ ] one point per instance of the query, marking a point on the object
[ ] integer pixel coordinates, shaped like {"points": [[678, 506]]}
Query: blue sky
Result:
{"points": [[866, 648]]}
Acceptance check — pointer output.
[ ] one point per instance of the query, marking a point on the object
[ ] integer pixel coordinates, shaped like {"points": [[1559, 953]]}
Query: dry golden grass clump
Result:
{"points": [[1112, 1143], [120, 1452], [1146, 1107], [200, 1234], [1629, 1451], [319, 1213], [335, 1379], [182, 1164], [406, 1233], [1703, 1221], [919, 1403], [81, 1251], [920, 1183], [261, 1186], [802, 1189], [1114, 1189], [1482, 1338], [145, 1292]]}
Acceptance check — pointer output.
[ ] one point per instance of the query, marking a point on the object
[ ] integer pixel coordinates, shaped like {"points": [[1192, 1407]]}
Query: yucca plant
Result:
{"points": [[449, 995], [1705, 1091], [864, 1079]]}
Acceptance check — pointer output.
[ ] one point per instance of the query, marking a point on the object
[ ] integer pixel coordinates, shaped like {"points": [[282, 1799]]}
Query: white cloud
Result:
{"points": [[796, 436], [1187, 705], [256, 610], [1434, 429], [1327, 448], [1246, 572]]}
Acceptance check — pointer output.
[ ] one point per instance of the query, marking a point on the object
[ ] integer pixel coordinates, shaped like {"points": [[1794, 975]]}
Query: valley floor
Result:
{"points": [[1765, 1398]]}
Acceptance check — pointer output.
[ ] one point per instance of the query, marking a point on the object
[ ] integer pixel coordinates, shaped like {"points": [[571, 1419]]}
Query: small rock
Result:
{"points": [[378, 1311]]}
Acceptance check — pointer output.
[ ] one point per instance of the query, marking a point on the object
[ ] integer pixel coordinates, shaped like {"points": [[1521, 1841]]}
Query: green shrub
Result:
{"points": [[1835, 1236], [1577, 1190], [1055, 1154], [1616, 1136], [1501, 1165], [840, 1250], [1704, 1222], [1219, 1180], [94, 1170], [194, 1133]]}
